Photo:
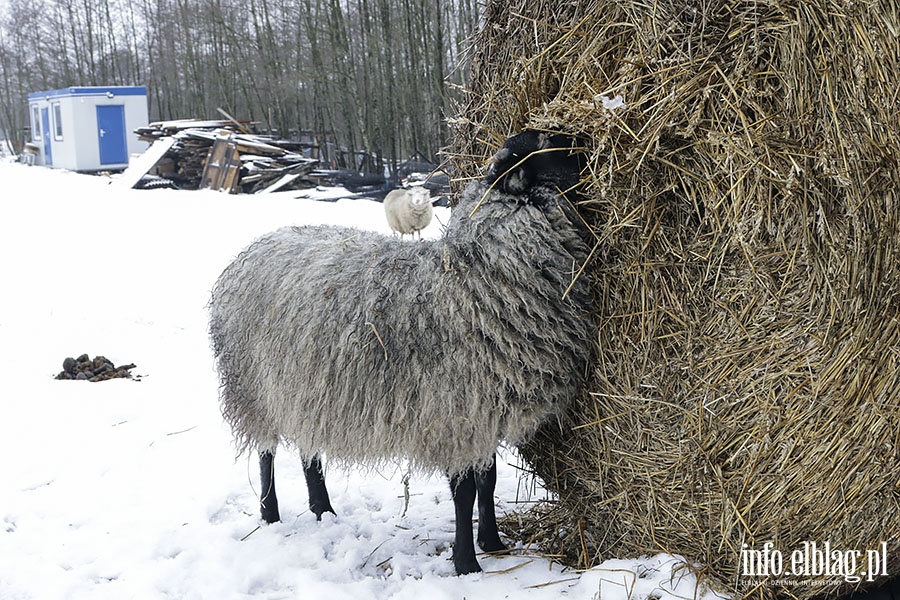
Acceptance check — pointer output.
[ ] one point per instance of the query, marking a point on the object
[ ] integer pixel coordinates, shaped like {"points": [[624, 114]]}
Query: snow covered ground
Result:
{"points": [[130, 489]]}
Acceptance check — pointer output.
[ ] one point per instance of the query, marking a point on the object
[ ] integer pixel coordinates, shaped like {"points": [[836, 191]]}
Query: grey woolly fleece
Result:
{"points": [[370, 348]]}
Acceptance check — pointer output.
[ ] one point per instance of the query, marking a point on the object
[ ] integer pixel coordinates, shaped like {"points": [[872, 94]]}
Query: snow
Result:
{"points": [[131, 489], [610, 104]]}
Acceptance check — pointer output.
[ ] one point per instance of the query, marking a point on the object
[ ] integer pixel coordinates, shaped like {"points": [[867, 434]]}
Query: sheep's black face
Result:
{"points": [[535, 158]]}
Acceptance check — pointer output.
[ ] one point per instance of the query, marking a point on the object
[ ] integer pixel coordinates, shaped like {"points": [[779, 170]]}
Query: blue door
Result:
{"points": [[45, 131], [111, 134]]}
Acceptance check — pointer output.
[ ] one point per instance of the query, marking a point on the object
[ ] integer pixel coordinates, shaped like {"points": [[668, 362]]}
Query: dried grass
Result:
{"points": [[746, 206]]}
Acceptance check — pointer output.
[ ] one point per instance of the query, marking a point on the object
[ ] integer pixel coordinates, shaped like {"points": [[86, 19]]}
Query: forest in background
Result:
{"points": [[373, 76]]}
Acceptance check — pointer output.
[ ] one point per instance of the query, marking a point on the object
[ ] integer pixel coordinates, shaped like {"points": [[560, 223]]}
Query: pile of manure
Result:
{"points": [[744, 191], [99, 368]]}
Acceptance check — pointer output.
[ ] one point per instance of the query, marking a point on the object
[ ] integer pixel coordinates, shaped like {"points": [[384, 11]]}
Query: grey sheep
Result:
{"points": [[408, 210], [370, 348]]}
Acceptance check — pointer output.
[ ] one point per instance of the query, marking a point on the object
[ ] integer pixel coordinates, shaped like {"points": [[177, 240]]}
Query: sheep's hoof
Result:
{"points": [[270, 513], [320, 510], [466, 567], [493, 546]]}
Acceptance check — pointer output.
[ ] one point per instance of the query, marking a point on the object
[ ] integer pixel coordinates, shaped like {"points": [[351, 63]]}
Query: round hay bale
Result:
{"points": [[744, 192]]}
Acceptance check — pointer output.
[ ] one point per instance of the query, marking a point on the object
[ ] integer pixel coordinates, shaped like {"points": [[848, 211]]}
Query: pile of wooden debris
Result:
{"points": [[219, 155]]}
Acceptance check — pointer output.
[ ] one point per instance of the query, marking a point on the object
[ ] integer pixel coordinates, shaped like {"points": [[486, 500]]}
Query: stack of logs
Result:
{"points": [[98, 369], [221, 155]]}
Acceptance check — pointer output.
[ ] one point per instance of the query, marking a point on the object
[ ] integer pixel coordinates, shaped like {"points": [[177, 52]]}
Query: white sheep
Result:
{"points": [[408, 210]]}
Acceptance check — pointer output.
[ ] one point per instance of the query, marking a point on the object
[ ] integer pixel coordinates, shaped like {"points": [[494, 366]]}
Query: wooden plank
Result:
{"points": [[222, 166], [144, 163], [232, 174], [255, 146], [283, 181]]}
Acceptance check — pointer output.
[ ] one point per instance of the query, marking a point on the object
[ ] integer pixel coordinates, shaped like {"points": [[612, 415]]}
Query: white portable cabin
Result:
{"points": [[88, 128]]}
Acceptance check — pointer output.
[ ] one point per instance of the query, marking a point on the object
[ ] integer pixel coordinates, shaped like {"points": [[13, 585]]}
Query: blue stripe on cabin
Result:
{"points": [[133, 90]]}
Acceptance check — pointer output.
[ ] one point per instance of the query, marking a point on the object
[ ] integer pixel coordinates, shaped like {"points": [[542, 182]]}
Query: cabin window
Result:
{"points": [[35, 123], [57, 121]]}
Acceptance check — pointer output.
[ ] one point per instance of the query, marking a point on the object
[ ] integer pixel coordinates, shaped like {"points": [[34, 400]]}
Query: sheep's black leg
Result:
{"points": [[315, 482], [462, 486], [268, 501], [488, 536]]}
